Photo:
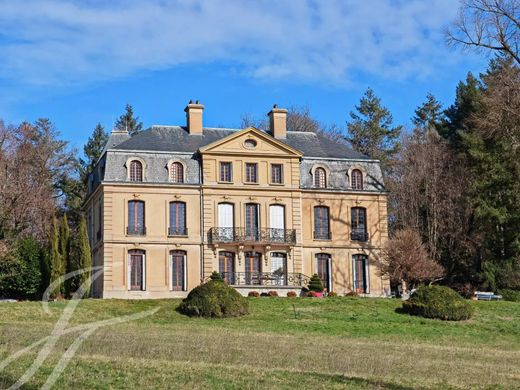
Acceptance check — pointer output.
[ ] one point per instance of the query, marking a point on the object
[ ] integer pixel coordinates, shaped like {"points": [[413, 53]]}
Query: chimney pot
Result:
{"points": [[278, 122], [194, 117]]}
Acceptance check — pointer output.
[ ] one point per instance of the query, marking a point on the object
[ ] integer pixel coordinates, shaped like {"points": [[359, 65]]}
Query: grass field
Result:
{"points": [[283, 343]]}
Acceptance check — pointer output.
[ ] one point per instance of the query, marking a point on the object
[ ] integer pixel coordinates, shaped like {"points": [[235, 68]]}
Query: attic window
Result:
{"points": [[250, 143]]}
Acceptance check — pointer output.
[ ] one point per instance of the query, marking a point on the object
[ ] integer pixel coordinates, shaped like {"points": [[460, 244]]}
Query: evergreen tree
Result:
{"points": [[64, 240], [55, 260], [80, 260], [92, 151], [370, 130], [315, 284], [427, 116], [127, 121]]}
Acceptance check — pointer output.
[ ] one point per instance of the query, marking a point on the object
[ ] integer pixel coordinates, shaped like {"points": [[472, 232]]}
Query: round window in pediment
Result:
{"points": [[250, 143]]}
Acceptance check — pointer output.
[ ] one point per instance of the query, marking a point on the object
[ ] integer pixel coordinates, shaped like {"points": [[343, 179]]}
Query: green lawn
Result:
{"points": [[283, 343]]}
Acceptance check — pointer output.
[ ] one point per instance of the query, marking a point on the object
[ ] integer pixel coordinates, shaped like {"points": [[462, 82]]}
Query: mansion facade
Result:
{"points": [[266, 209]]}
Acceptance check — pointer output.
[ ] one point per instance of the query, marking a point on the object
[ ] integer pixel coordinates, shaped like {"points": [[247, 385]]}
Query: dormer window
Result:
{"points": [[320, 178], [136, 170], [177, 173], [357, 180]]}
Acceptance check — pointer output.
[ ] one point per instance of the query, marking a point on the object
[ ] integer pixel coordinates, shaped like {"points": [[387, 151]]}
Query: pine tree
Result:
{"points": [[370, 130], [81, 259], [55, 260], [428, 116], [127, 121], [92, 151]]}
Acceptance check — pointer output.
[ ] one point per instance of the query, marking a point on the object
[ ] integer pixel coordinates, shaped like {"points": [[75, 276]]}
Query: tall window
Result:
{"points": [[136, 270], [276, 173], [136, 170], [252, 231], [177, 219], [321, 223], [252, 267], [357, 180], [320, 178], [226, 172], [226, 266], [360, 268], [177, 173], [323, 269], [251, 173], [178, 270], [359, 224], [136, 218]]}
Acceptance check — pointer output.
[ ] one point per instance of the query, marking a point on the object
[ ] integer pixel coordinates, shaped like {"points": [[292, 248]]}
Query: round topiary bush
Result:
{"points": [[438, 302], [291, 294], [214, 299], [254, 294], [315, 283]]}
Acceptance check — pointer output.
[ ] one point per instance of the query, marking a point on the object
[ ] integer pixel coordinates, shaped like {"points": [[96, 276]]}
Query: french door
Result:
{"points": [[279, 268], [277, 223], [252, 231], [226, 265], [136, 270], [323, 269], [252, 267], [178, 270], [360, 267], [226, 221]]}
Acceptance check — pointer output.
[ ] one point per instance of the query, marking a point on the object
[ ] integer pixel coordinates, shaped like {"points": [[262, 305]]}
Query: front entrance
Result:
{"points": [[252, 266], [323, 269], [360, 267], [279, 268], [226, 266]]}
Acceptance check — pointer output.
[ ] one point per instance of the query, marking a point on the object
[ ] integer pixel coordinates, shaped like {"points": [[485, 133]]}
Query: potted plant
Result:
{"points": [[316, 286]]}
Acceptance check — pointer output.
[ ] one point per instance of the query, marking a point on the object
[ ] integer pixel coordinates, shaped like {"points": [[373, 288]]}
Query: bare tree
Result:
{"points": [[406, 259], [488, 25]]}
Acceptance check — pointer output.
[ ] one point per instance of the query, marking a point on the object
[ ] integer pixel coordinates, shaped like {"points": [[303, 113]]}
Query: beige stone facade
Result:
{"points": [[262, 234]]}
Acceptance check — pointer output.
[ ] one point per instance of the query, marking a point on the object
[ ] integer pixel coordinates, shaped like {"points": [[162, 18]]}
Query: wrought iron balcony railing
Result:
{"points": [[270, 236], [177, 231], [136, 230], [322, 235], [265, 279], [359, 235]]}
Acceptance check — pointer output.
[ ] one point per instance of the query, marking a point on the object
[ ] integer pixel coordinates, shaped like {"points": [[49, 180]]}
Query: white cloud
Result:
{"points": [[77, 42]]}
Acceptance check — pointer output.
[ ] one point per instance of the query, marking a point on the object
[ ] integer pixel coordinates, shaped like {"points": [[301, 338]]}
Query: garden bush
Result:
{"points": [[216, 276], [438, 302], [332, 294], [254, 294], [315, 283], [352, 294], [214, 299], [272, 294], [291, 294], [510, 295]]}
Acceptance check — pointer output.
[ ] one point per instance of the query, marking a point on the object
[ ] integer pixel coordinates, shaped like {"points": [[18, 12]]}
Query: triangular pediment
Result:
{"points": [[250, 141]]}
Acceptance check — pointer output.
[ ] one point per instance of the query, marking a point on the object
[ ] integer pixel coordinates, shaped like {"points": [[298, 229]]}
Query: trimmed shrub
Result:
{"points": [[272, 294], [352, 294], [216, 276], [315, 283], [438, 302], [510, 295], [214, 299], [291, 294], [332, 294], [254, 294]]}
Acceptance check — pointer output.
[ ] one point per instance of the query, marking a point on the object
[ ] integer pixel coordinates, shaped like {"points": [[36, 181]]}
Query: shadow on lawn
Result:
{"points": [[369, 383], [7, 380]]}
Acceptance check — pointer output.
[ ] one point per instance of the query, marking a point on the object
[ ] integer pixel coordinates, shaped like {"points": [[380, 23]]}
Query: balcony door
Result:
{"points": [[279, 268], [323, 269], [136, 270], [226, 221], [252, 231], [277, 223], [252, 267], [360, 268], [226, 265]]}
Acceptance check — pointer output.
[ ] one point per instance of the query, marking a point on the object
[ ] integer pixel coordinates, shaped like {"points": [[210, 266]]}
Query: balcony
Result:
{"points": [[268, 279], [322, 235], [136, 231], [177, 231], [244, 235], [359, 235]]}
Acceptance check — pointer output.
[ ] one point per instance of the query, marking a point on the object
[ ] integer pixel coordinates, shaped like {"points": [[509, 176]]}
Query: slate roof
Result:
{"points": [[177, 139]]}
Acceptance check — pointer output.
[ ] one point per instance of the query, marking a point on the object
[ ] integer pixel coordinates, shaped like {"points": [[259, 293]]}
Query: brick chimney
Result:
{"points": [[278, 122], [194, 117]]}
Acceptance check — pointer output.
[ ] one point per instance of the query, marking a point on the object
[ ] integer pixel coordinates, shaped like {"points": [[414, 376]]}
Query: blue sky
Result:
{"points": [[80, 62]]}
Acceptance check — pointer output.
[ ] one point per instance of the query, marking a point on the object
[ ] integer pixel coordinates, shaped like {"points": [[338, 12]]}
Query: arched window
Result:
{"points": [[178, 270], [136, 224], [136, 170], [321, 223], [320, 178], [177, 173], [177, 219], [357, 180], [359, 224]]}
